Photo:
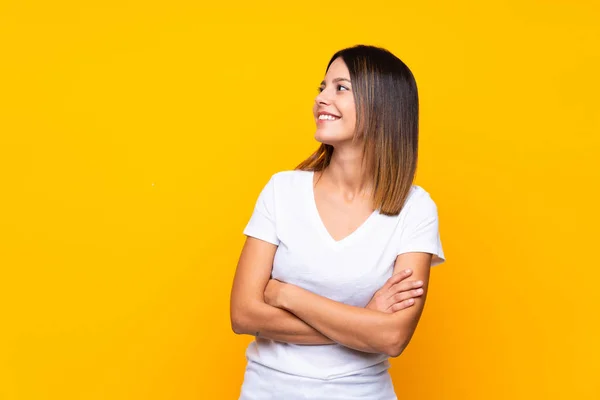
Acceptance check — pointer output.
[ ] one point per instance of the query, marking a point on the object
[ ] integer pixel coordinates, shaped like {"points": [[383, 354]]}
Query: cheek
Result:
{"points": [[350, 118], [349, 111]]}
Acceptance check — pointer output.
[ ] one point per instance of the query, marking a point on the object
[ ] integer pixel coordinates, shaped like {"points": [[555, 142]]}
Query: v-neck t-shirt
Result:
{"points": [[349, 270]]}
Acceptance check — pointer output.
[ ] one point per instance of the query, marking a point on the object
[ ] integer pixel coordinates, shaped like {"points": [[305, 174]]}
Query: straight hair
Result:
{"points": [[387, 124]]}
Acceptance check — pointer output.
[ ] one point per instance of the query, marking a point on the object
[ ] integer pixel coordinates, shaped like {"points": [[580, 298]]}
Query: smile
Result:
{"points": [[327, 118]]}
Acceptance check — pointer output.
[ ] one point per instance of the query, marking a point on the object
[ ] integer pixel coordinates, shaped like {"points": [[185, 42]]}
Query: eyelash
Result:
{"points": [[320, 89]]}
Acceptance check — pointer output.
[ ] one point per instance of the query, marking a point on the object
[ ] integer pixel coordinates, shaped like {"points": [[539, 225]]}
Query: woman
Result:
{"points": [[322, 277]]}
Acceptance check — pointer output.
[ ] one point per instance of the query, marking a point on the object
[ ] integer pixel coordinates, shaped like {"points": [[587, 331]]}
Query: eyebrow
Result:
{"points": [[337, 80]]}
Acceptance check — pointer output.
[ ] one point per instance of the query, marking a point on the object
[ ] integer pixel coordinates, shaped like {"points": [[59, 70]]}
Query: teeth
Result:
{"points": [[328, 117]]}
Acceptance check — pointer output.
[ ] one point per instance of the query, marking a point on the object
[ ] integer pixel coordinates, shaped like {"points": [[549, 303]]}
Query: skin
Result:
{"points": [[284, 312], [342, 193]]}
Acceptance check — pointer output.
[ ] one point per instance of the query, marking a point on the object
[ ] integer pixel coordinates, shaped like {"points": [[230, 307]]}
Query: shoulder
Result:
{"points": [[289, 179], [286, 190], [419, 200]]}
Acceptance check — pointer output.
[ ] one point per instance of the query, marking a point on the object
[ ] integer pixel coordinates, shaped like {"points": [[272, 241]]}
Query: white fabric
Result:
{"points": [[349, 271]]}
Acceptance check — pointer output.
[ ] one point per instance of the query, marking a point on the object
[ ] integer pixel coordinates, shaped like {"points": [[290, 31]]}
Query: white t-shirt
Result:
{"points": [[350, 270]]}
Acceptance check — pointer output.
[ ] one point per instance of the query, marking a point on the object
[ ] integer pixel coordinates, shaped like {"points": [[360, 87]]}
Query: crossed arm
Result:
{"points": [[288, 313]]}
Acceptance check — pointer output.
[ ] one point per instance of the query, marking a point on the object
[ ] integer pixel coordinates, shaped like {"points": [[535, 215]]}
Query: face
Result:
{"points": [[335, 97]]}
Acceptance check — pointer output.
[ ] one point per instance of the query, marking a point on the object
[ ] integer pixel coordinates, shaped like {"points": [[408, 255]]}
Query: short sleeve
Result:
{"points": [[420, 230], [262, 222]]}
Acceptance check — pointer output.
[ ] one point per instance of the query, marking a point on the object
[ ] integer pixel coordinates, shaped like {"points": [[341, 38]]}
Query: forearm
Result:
{"points": [[262, 320], [358, 328]]}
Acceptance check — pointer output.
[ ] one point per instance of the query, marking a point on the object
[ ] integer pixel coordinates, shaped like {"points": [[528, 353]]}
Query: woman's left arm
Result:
{"points": [[355, 327]]}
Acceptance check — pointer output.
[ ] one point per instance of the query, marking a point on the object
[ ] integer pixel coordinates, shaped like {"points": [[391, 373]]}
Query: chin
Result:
{"points": [[331, 138]]}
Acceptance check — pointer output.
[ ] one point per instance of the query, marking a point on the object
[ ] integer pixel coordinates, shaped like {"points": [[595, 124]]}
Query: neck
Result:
{"points": [[347, 173]]}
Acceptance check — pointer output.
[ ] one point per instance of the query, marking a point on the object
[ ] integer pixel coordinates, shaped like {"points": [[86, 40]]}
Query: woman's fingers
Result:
{"points": [[404, 286], [401, 305], [396, 278], [404, 299], [398, 297], [397, 293]]}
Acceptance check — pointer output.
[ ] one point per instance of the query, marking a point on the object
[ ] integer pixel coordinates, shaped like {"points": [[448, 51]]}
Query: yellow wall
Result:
{"points": [[135, 137]]}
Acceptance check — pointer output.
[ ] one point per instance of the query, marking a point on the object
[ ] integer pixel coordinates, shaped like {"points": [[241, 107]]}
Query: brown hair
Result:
{"points": [[387, 116]]}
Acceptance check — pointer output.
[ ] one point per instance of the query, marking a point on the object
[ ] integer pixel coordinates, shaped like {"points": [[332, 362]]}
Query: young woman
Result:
{"points": [[322, 280]]}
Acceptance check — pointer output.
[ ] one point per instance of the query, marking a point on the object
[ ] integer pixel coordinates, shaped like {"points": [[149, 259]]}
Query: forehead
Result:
{"points": [[338, 69]]}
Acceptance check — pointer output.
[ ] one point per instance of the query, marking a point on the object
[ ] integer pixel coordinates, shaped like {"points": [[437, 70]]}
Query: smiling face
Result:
{"points": [[336, 101]]}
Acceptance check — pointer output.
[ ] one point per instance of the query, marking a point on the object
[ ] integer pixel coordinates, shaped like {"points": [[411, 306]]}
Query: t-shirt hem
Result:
{"points": [[438, 258], [270, 239]]}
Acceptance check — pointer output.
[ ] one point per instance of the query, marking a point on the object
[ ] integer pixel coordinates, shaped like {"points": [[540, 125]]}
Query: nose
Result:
{"points": [[322, 98]]}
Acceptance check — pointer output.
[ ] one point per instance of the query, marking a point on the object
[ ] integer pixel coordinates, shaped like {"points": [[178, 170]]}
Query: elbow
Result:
{"points": [[237, 325], [396, 345], [241, 320], [236, 317]]}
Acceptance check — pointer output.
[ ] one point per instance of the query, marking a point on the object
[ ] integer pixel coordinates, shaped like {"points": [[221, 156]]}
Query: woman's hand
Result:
{"points": [[397, 294], [273, 292]]}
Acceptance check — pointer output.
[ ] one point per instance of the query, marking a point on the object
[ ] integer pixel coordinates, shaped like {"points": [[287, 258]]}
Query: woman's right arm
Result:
{"points": [[248, 311]]}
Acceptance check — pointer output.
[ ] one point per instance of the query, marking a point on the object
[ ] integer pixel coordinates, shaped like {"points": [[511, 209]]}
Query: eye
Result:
{"points": [[320, 88]]}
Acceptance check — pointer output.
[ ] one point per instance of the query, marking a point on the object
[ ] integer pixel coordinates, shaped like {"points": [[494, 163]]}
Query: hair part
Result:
{"points": [[387, 124]]}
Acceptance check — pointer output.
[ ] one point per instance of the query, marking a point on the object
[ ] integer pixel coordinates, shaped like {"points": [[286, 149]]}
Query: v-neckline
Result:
{"points": [[321, 225]]}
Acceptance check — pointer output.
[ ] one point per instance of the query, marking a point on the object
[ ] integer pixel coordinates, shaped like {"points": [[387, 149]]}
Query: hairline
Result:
{"points": [[338, 80]]}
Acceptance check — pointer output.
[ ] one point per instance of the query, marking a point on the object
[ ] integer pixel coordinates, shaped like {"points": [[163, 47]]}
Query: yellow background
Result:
{"points": [[136, 136]]}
